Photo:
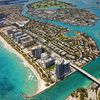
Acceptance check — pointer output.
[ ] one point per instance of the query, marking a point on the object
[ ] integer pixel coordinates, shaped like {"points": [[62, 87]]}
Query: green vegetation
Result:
{"points": [[51, 67], [81, 94], [77, 54], [62, 37], [50, 3]]}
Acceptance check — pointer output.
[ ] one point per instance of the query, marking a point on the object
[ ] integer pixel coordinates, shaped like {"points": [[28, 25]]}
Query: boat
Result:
{"points": [[97, 2]]}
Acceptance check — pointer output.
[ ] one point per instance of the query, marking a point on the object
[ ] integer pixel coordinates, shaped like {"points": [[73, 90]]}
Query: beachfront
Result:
{"points": [[67, 86], [41, 84]]}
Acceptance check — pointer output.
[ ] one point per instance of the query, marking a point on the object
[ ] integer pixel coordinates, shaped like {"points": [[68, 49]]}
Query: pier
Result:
{"points": [[86, 74]]}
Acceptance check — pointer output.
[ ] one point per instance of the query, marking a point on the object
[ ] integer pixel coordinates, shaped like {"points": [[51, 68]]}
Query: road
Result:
{"points": [[86, 74]]}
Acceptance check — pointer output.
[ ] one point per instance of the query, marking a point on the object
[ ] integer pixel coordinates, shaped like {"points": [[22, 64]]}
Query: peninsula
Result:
{"points": [[49, 49]]}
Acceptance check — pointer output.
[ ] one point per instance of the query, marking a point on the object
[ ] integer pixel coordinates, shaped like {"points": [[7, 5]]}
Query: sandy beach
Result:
{"points": [[41, 83]]}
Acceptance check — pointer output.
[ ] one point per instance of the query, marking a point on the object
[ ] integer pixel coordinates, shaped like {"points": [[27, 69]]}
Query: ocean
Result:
{"points": [[64, 88], [15, 77]]}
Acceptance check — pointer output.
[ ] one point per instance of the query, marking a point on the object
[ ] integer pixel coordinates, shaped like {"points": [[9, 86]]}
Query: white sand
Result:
{"points": [[41, 83]]}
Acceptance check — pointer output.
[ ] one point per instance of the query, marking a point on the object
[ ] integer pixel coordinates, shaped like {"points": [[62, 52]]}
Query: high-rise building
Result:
{"points": [[17, 34], [67, 68], [36, 52], [26, 41], [59, 70], [62, 68], [17, 39], [44, 56], [48, 62], [1, 23], [11, 31]]}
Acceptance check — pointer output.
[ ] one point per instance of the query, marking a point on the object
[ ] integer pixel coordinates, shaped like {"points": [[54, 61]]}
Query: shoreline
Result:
{"points": [[88, 89], [32, 9], [41, 83]]}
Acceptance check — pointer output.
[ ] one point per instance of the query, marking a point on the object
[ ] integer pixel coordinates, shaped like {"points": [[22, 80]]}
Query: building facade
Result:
{"points": [[36, 52], [48, 62], [62, 69]]}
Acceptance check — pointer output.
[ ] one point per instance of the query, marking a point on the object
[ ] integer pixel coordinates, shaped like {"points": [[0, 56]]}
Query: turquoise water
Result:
{"points": [[61, 90], [14, 77], [70, 34], [77, 80]]}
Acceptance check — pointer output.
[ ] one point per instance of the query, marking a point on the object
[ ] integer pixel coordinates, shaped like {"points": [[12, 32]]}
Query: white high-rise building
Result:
{"points": [[44, 56]]}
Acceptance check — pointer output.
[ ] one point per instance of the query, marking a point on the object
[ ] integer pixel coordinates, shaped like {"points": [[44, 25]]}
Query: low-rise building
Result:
{"points": [[24, 35], [21, 23]]}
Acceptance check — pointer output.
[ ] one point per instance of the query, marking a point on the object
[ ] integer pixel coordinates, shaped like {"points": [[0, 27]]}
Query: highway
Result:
{"points": [[86, 73]]}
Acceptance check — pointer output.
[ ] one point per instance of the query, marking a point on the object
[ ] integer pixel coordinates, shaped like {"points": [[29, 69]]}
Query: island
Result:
{"points": [[63, 12]]}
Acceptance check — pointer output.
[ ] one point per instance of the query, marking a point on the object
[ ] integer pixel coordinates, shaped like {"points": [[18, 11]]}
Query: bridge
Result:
{"points": [[86, 74]]}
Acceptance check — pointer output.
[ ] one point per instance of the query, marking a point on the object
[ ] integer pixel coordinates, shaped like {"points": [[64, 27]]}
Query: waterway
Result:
{"points": [[77, 80], [71, 34], [64, 88], [8, 2]]}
